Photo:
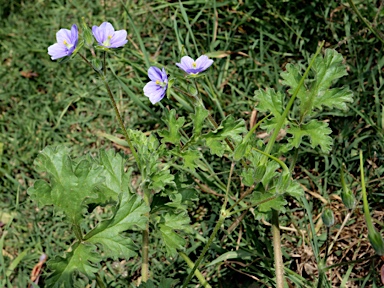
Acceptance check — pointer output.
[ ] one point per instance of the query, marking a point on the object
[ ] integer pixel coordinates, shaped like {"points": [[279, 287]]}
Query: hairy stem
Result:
{"points": [[120, 120], [206, 247], [145, 255], [279, 266], [197, 272], [280, 121]]}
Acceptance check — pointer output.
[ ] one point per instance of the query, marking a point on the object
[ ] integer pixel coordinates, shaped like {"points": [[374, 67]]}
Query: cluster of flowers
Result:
{"points": [[156, 88], [107, 37], [104, 34]]}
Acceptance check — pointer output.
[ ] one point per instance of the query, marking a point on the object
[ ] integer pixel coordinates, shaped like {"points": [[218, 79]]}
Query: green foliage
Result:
{"points": [[81, 259], [155, 176], [228, 129], [168, 224], [172, 135], [71, 185], [128, 216], [318, 133]]}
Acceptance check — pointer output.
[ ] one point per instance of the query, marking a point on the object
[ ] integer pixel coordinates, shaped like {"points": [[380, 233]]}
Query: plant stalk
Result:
{"points": [[282, 118], [145, 255], [206, 247], [120, 120], [197, 272], [278, 256]]}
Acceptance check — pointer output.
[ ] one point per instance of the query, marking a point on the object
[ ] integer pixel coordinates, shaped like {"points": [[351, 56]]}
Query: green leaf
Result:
{"points": [[115, 178], [72, 185], [81, 259], [336, 97], [198, 120], [239, 254], [269, 101], [229, 128], [317, 131], [317, 91], [130, 215], [291, 77], [276, 203], [190, 156], [155, 174], [172, 135], [169, 223]]}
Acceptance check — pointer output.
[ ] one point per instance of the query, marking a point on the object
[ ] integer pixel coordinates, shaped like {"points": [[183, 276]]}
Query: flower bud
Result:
{"points": [[240, 151], [87, 34], [283, 183], [348, 199], [377, 242], [192, 90], [259, 173], [327, 217], [96, 64]]}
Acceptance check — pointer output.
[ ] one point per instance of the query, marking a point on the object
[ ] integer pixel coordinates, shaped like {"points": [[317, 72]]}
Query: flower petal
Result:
{"points": [[203, 63], [154, 92], [185, 63], [63, 36], [74, 34], [96, 31], [154, 73], [119, 39], [57, 51], [164, 76]]}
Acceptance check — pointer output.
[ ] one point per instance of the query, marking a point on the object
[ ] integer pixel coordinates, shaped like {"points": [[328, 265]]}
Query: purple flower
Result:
{"points": [[107, 37], [194, 67], [66, 43], [155, 90]]}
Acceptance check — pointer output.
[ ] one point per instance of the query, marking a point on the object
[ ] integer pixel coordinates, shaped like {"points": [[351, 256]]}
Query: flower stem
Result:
{"points": [[120, 120], [197, 272], [279, 266], [145, 255], [223, 215], [281, 119], [370, 27]]}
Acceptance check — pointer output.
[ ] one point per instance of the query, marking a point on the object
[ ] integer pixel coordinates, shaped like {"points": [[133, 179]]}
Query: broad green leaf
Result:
{"points": [[168, 224], [317, 91], [198, 120], [155, 174], [295, 190], [115, 178], [328, 69], [269, 101], [215, 146], [71, 185], [172, 135], [189, 157], [130, 215], [230, 129], [276, 203], [82, 259], [318, 133], [336, 97], [291, 77]]}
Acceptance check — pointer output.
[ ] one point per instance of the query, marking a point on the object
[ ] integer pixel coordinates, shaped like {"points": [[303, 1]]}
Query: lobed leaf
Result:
{"points": [[172, 135], [318, 133], [171, 222], [81, 259]]}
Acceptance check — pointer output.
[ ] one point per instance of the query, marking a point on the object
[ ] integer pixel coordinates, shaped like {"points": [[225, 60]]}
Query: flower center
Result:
{"points": [[161, 84], [107, 42], [67, 44], [194, 64]]}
